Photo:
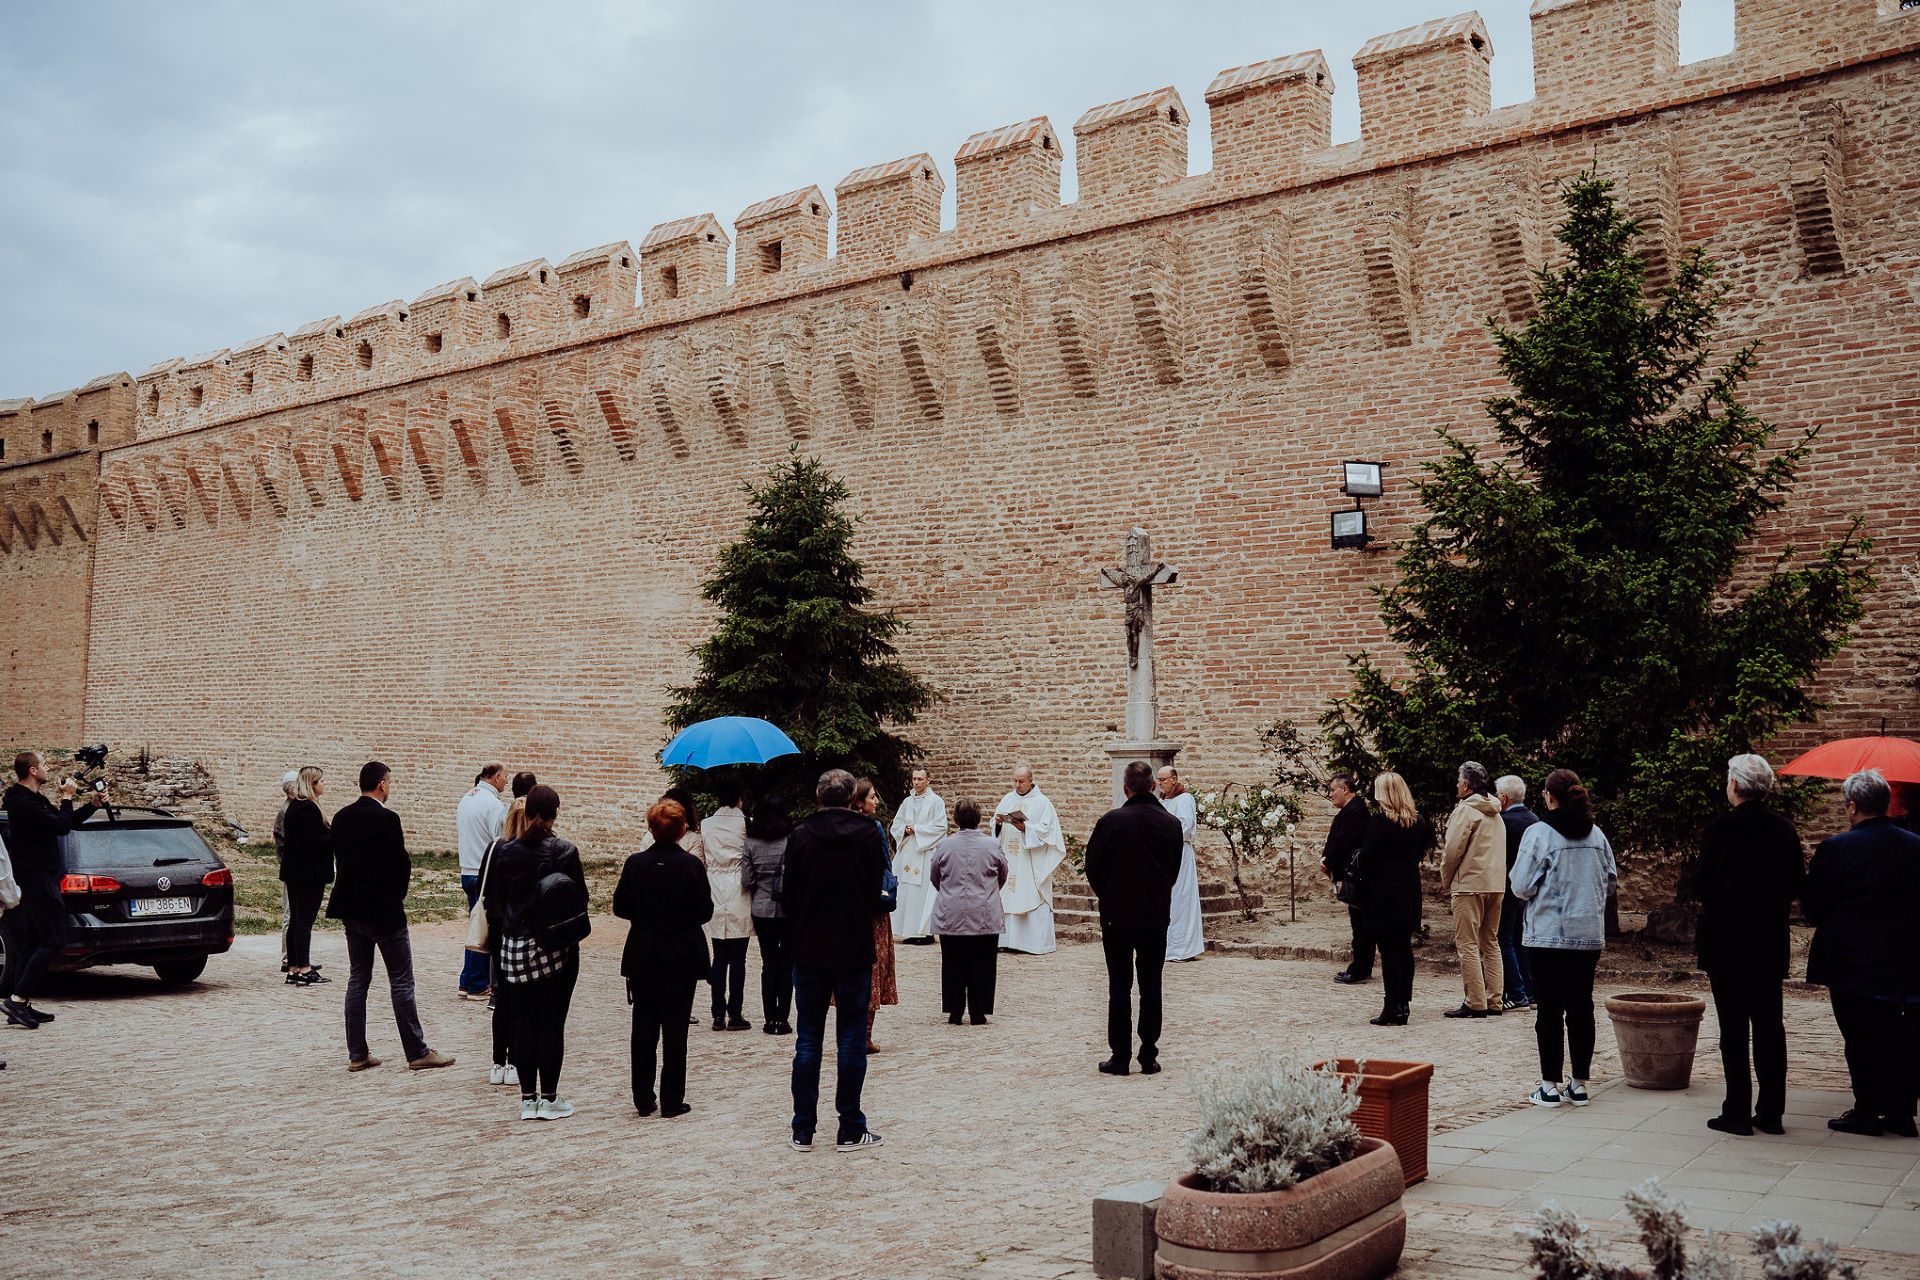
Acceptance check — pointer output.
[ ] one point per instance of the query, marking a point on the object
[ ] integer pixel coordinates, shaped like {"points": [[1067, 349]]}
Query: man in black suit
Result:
{"points": [[34, 828], [663, 889], [372, 871], [1344, 838], [1133, 858], [831, 890], [1862, 896]]}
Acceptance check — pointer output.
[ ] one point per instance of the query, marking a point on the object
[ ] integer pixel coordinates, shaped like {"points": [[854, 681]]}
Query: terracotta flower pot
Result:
{"points": [[1393, 1106], [1344, 1224], [1657, 1033]]}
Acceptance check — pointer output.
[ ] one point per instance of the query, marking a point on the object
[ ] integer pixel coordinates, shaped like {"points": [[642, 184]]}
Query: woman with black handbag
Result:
{"points": [[542, 892], [1384, 880]]}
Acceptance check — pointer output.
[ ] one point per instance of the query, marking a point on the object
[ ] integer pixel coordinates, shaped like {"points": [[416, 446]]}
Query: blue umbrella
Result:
{"points": [[727, 740]]}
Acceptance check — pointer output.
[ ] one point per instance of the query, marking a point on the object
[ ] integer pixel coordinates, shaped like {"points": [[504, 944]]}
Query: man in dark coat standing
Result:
{"points": [[663, 889], [372, 872], [1511, 791], [34, 828], [1862, 896], [1344, 838], [1751, 868], [1133, 858], [836, 859]]}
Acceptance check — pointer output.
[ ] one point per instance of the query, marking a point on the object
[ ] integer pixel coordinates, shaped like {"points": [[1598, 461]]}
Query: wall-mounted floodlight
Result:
{"points": [[1362, 479], [1349, 529]]}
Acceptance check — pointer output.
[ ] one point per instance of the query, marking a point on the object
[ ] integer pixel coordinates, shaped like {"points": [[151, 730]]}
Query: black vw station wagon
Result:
{"points": [[142, 888]]}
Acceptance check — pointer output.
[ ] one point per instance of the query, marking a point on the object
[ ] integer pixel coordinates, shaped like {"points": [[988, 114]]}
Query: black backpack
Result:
{"points": [[560, 911]]}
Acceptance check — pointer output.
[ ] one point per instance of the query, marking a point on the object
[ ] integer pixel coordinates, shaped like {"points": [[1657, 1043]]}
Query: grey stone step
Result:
{"points": [[1224, 904]]}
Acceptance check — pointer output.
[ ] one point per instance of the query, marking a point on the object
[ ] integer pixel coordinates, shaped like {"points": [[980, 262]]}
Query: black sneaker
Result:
{"points": [[38, 1014], [1516, 1002], [739, 1024], [865, 1142], [1730, 1124], [799, 1143], [1115, 1067], [1346, 977], [18, 1014], [1851, 1121], [1465, 1011], [1149, 1066]]}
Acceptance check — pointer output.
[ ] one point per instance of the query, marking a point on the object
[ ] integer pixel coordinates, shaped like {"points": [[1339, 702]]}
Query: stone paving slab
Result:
{"points": [[214, 1131]]}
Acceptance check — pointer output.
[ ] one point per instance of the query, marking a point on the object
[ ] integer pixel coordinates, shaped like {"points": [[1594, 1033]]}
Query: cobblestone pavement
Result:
{"points": [[215, 1130]]}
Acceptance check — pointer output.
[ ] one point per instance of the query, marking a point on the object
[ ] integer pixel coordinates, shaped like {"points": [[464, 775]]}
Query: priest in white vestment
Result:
{"points": [[918, 824], [1029, 831], [1184, 939]]}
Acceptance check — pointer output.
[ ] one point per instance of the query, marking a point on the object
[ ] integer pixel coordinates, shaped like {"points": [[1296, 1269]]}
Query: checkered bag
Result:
{"points": [[523, 960]]}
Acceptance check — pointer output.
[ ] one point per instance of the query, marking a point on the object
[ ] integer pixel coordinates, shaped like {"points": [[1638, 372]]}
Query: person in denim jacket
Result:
{"points": [[1564, 873]]}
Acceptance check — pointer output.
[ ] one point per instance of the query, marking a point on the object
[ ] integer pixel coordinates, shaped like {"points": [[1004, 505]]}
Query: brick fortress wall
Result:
{"points": [[473, 525]]}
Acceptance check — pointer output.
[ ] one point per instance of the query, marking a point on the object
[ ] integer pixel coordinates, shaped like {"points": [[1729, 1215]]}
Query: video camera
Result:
{"points": [[93, 762]]}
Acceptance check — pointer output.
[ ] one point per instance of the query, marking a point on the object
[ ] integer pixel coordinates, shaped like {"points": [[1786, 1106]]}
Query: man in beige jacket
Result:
{"points": [[1473, 866]]}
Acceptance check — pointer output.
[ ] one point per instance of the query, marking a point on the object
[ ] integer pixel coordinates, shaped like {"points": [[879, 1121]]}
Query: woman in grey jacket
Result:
{"points": [[1564, 872], [767, 829], [966, 871]]}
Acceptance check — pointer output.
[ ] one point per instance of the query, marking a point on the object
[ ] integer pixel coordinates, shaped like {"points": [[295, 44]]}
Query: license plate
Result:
{"points": [[160, 907]]}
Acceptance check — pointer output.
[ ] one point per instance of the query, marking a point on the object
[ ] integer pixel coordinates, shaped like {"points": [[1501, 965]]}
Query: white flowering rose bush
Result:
{"points": [[1258, 822]]}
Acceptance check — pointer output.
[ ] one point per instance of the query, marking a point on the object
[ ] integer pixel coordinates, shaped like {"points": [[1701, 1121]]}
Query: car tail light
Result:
{"points": [[90, 884], [220, 878]]}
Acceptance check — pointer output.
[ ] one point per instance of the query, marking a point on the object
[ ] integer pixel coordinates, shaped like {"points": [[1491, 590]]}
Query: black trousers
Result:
{"points": [[1563, 998], [502, 1012], [1132, 953], [540, 1030], [660, 1037], [1873, 1031], [776, 967], [303, 908], [1747, 1006], [968, 968], [39, 931], [1363, 942], [728, 977], [1396, 966]]}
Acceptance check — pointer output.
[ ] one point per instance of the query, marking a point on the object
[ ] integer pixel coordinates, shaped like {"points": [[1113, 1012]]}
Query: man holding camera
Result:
{"points": [[34, 828]]}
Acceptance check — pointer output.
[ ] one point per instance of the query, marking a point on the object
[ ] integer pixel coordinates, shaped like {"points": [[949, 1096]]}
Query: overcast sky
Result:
{"points": [[181, 177]]}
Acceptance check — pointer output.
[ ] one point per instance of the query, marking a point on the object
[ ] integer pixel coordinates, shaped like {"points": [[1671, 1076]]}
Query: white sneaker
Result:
{"points": [[529, 1108], [511, 1074], [1545, 1096], [555, 1109], [496, 1074], [1575, 1092]]}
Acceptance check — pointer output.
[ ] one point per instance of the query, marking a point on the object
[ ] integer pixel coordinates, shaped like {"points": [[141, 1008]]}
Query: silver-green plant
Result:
{"points": [[1271, 1123], [1562, 1249]]}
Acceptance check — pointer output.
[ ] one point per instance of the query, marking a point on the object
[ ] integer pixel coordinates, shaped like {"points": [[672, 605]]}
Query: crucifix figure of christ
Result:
{"points": [[1136, 578]]}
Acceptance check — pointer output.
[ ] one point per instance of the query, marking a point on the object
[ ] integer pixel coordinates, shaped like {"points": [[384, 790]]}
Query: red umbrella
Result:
{"points": [[1897, 759]]}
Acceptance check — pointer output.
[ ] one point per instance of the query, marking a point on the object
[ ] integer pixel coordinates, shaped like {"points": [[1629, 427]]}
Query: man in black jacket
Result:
{"points": [[1344, 838], [1862, 895], [34, 828], [831, 891], [1133, 858], [372, 871]]}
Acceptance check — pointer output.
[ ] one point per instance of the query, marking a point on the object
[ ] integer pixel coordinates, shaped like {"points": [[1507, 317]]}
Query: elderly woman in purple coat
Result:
{"points": [[966, 872]]}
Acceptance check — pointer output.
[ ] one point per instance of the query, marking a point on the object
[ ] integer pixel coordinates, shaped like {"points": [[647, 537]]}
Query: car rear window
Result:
{"points": [[134, 847]]}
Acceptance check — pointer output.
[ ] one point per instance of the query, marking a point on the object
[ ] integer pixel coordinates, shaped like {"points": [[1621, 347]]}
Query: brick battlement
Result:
{"points": [[1298, 302]]}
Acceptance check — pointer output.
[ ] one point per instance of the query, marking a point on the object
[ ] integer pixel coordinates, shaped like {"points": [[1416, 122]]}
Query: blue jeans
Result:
{"points": [[851, 990], [1513, 956], [473, 971]]}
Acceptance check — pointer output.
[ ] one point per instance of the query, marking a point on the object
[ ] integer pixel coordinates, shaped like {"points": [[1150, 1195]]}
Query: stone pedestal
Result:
{"points": [[1123, 1235], [1125, 753]]}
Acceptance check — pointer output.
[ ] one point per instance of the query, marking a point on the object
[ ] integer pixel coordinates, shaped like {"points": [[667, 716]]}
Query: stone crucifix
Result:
{"points": [[1137, 578]]}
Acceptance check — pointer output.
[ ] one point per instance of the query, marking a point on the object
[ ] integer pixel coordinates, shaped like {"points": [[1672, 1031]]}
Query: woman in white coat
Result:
{"points": [[724, 834]]}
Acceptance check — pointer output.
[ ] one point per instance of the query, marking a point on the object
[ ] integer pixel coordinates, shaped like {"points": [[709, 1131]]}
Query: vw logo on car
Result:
{"points": [[165, 883]]}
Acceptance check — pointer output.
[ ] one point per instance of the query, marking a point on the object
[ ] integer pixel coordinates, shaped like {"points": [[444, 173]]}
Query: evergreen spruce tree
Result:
{"points": [[1586, 597], [796, 643]]}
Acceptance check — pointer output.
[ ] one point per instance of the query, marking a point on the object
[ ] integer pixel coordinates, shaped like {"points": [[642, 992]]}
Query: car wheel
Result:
{"points": [[178, 973]]}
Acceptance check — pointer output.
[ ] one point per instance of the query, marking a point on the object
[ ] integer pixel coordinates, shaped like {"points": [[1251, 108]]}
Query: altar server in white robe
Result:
{"points": [[1184, 940], [1029, 831], [918, 824]]}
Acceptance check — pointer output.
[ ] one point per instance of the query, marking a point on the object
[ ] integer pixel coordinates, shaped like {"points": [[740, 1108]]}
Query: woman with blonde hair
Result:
{"points": [[500, 1003], [306, 867], [1385, 873]]}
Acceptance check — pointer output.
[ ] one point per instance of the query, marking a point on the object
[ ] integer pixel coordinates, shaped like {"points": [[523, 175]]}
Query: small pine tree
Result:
{"points": [[796, 643], [1583, 600]]}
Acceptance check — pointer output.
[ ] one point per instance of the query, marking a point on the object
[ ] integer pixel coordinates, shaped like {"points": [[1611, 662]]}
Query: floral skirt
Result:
{"points": [[886, 990]]}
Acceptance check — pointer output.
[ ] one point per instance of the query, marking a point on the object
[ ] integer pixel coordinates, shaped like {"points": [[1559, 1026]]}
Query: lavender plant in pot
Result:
{"points": [[1283, 1183]]}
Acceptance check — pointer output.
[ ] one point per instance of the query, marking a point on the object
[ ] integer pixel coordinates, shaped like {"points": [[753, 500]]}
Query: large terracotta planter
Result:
{"points": [[1344, 1224], [1657, 1033], [1393, 1106]]}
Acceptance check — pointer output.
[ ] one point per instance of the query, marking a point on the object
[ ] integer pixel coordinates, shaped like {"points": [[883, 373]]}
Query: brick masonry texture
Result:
{"points": [[473, 525]]}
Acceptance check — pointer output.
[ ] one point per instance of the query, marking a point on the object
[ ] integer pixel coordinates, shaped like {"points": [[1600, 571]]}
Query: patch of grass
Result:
{"points": [[434, 893]]}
